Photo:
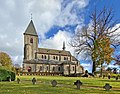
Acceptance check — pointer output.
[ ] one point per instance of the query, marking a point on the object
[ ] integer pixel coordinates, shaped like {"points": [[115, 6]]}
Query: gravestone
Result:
{"points": [[103, 76], [108, 75], [78, 83], [116, 77], [18, 80], [54, 83], [9, 79], [34, 81], [107, 87]]}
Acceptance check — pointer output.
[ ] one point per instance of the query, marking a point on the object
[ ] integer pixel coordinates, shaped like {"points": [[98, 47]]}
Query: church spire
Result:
{"points": [[31, 29], [64, 46]]}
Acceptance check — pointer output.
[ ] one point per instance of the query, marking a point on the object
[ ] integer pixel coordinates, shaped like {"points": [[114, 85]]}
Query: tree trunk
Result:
{"points": [[101, 71], [93, 67]]}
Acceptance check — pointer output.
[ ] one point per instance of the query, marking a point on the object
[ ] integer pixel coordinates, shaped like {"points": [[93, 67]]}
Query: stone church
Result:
{"points": [[45, 60]]}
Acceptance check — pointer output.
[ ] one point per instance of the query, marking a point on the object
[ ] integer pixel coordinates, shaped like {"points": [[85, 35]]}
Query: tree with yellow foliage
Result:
{"points": [[103, 51], [5, 61]]}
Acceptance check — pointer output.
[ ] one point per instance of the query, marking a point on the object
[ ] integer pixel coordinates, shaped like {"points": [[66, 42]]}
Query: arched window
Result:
{"points": [[58, 68], [53, 57], [45, 57], [73, 68], [53, 68], [31, 40], [64, 58], [56, 58], [40, 68], [42, 56], [47, 68]]}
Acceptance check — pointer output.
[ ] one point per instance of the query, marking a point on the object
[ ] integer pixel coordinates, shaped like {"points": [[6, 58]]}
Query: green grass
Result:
{"points": [[64, 86]]}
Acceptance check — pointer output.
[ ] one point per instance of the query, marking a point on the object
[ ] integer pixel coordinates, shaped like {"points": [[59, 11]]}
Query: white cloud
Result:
{"points": [[69, 13], [86, 65], [44, 13], [116, 34]]}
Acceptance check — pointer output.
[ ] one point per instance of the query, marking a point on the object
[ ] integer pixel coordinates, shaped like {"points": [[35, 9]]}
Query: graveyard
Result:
{"points": [[60, 84]]}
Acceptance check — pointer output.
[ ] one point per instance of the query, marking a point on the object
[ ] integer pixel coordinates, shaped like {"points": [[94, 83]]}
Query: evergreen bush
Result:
{"points": [[4, 75]]}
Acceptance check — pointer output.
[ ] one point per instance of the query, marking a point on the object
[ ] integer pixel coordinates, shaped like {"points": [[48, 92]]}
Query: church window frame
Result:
{"points": [[56, 57], [59, 68], [73, 68], [68, 68], [31, 40], [53, 69], [47, 68], [41, 68], [53, 57], [64, 58], [42, 56], [45, 57]]}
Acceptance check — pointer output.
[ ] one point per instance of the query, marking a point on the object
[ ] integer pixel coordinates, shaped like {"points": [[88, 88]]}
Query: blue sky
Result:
{"points": [[99, 4], [55, 21]]}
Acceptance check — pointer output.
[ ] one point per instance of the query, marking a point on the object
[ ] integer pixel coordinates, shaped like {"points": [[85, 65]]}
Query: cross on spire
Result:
{"points": [[31, 16]]}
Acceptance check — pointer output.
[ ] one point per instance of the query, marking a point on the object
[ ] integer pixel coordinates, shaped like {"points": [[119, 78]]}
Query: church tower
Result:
{"points": [[30, 42]]}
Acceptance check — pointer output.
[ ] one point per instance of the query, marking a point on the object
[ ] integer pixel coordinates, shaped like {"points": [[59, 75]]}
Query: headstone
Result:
{"points": [[9, 79], [18, 80], [107, 86], [54, 83], [34, 81], [116, 77], [108, 75], [103, 76], [78, 83]]}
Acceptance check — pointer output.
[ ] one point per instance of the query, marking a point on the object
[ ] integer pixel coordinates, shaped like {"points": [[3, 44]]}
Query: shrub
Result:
{"points": [[12, 75], [4, 75]]}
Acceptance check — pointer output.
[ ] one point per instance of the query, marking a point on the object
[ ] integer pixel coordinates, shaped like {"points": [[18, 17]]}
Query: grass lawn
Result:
{"points": [[64, 86]]}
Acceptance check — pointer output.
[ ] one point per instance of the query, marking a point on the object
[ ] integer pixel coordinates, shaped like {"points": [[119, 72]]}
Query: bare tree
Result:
{"points": [[85, 39]]}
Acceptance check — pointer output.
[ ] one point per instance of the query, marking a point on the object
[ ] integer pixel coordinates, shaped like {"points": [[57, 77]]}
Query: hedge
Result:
{"points": [[5, 75]]}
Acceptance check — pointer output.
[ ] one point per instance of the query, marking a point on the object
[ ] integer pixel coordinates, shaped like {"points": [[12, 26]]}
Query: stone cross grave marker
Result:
{"points": [[54, 83], [34, 81], [18, 80], [78, 83], [107, 86]]}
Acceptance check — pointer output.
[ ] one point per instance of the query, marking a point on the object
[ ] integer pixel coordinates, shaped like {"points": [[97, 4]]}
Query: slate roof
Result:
{"points": [[74, 59], [53, 51], [31, 29]]}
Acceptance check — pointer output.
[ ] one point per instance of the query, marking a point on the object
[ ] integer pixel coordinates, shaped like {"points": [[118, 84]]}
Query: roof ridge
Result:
{"points": [[53, 49]]}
